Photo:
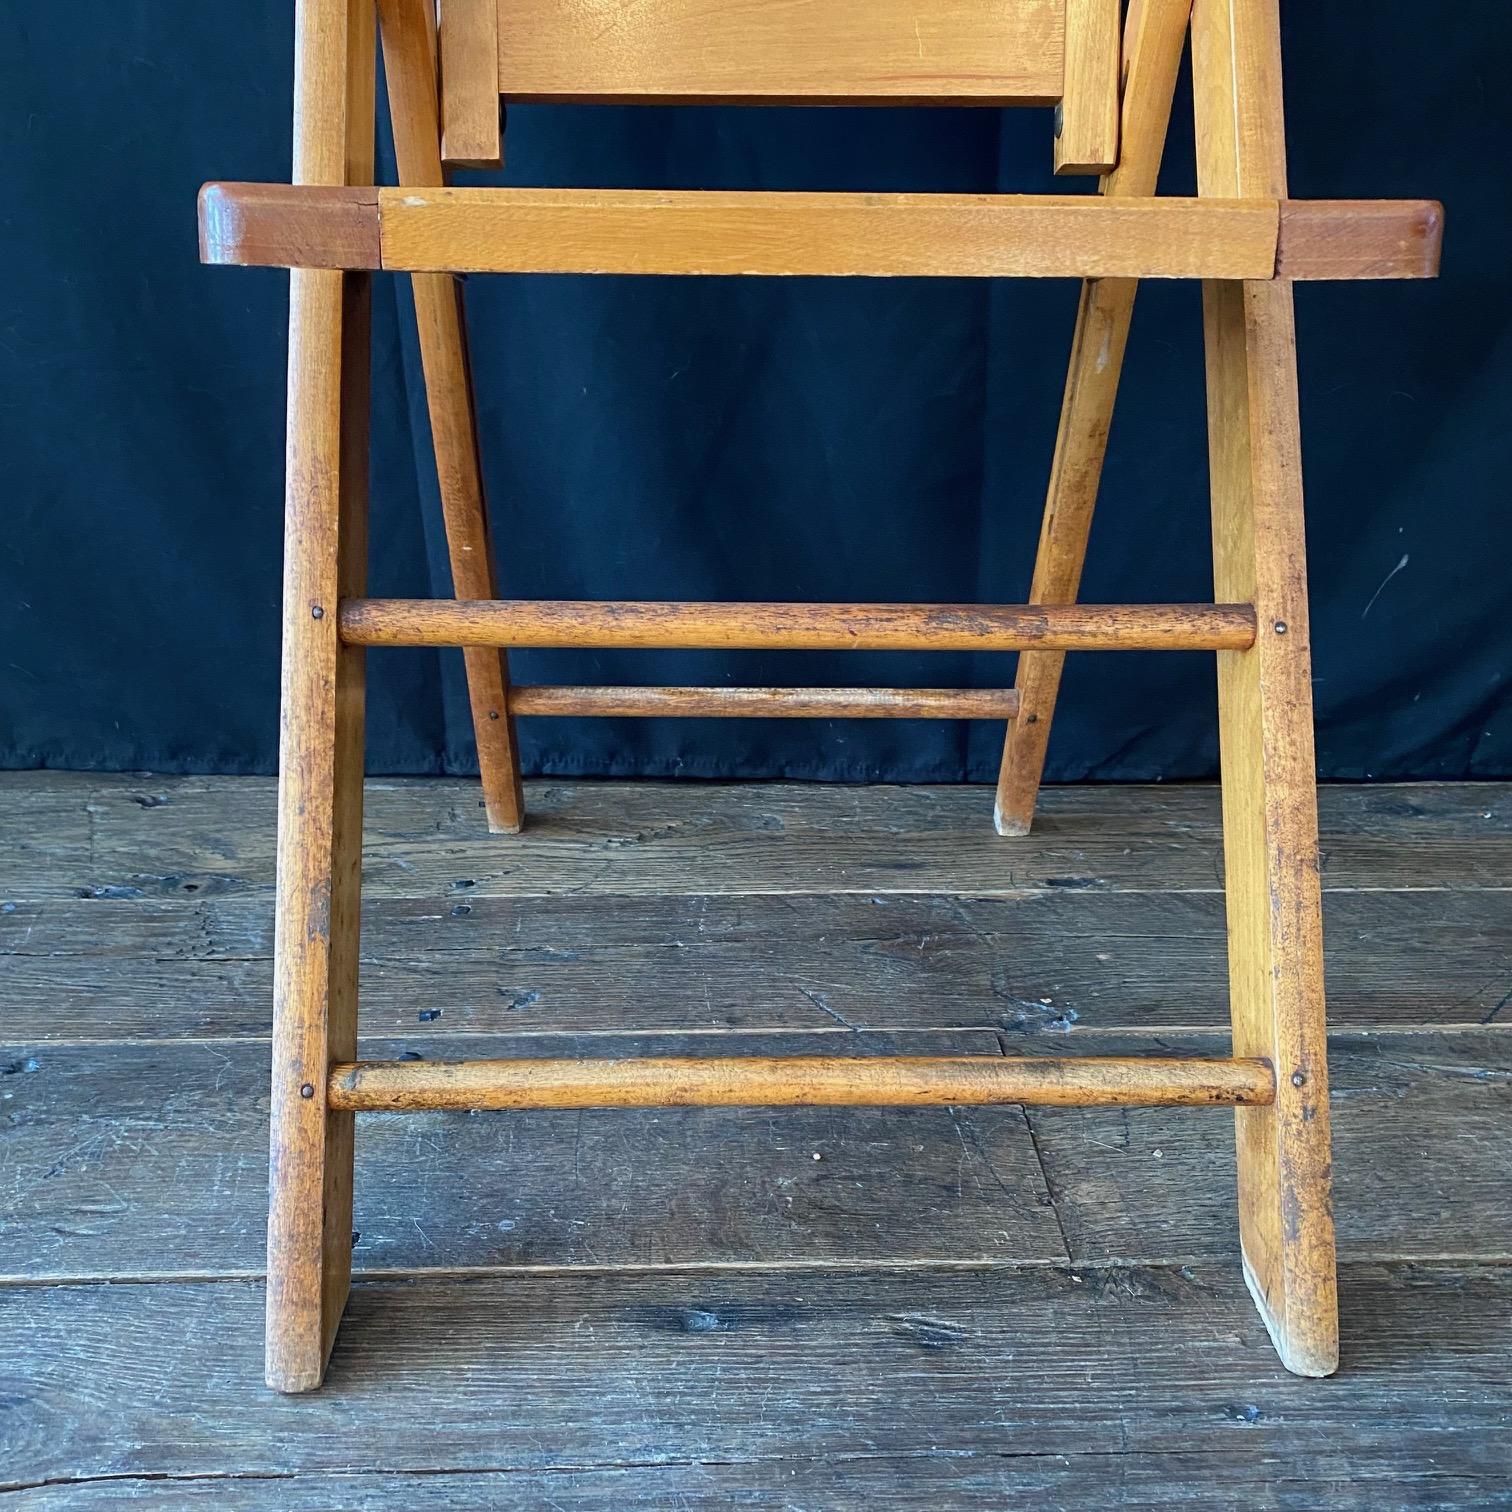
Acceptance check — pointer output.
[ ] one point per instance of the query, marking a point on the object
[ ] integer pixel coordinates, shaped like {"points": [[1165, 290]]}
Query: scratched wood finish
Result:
{"points": [[161, 1177], [614, 1187], [1130, 1479], [1156, 38], [1434, 1135], [805, 51], [780, 1383], [798, 1082], [1051, 963], [164, 1176], [410, 69], [797, 627], [767, 703], [123, 839], [320, 749], [1265, 712], [1086, 121], [469, 48]]}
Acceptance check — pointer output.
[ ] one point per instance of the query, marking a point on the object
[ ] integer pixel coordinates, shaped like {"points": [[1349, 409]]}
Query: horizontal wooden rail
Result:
{"points": [[813, 1081], [769, 703], [797, 627], [868, 235]]}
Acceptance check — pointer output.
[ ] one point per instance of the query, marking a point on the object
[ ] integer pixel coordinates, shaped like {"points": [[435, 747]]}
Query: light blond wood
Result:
{"points": [[320, 749], [469, 40], [1156, 35], [1242, 236], [409, 67], [997, 52], [769, 703], [799, 1081], [878, 235], [1265, 709], [1086, 121], [797, 627]]}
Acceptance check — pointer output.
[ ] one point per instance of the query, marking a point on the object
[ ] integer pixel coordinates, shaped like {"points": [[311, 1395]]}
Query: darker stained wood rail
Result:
{"points": [[628, 625], [697, 232]]}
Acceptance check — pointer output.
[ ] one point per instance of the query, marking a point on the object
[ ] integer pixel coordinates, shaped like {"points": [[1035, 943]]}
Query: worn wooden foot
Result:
{"points": [[321, 740], [1265, 711]]}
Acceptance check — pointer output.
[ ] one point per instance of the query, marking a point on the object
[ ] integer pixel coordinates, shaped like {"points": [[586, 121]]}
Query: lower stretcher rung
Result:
{"points": [[807, 1081], [769, 703]]}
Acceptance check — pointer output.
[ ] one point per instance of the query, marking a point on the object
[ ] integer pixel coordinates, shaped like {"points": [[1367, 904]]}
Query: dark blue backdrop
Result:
{"points": [[727, 439]]}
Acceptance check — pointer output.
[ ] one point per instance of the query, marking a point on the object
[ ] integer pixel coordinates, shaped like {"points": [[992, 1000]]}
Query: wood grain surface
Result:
{"points": [[1036, 1304]]}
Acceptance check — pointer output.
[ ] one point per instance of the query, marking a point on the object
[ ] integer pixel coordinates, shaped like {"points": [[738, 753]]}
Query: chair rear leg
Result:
{"points": [[1265, 710], [409, 57], [1102, 328], [321, 740], [1154, 36]]}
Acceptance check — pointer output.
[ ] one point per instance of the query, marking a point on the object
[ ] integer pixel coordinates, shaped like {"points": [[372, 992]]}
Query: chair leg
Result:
{"points": [[409, 57], [321, 740], [1270, 821], [1270, 827], [1154, 36], [1102, 329]]}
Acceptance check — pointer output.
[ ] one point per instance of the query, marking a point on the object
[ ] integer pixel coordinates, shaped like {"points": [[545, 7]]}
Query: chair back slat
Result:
{"points": [[998, 52]]}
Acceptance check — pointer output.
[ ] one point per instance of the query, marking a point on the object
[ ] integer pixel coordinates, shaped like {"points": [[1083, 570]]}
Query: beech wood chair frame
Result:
{"points": [[1111, 78]]}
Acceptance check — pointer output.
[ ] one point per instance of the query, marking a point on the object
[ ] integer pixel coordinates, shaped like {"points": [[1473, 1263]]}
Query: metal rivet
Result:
{"points": [[1299, 1078], [493, 713], [307, 1090], [316, 612], [1060, 120], [1032, 719], [1280, 627]]}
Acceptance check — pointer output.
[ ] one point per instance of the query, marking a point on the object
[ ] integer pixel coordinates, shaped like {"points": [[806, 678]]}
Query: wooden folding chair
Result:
{"points": [[1111, 81]]}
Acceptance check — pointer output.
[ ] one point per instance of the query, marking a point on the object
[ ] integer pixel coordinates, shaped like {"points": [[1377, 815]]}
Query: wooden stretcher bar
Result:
{"points": [[797, 627], [799, 1082], [767, 703]]}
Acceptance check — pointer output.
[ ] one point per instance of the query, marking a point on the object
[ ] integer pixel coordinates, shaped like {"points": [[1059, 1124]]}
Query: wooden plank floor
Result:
{"points": [[965, 1308]]}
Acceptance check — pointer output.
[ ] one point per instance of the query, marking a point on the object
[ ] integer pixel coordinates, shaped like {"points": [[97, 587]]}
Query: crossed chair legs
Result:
{"points": [[1265, 711]]}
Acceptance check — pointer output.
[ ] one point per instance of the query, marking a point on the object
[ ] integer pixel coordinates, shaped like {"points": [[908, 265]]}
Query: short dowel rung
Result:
{"points": [[798, 627], [768, 703], [810, 1081]]}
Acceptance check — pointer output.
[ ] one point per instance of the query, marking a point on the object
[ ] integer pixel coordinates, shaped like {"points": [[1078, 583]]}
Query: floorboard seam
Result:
{"points": [[614, 1467], [738, 1269], [1039, 1156]]}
